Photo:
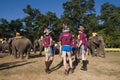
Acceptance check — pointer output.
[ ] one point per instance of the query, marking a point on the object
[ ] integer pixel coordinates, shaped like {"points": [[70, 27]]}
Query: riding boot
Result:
{"points": [[84, 66], [47, 66]]}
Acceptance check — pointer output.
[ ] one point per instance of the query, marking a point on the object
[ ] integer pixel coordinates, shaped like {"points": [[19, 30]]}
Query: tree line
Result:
{"points": [[76, 12]]}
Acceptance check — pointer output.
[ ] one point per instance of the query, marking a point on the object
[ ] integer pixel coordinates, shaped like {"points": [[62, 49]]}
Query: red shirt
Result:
{"points": [[46, 40], [83, 37], [65, 38], [74, 42]]}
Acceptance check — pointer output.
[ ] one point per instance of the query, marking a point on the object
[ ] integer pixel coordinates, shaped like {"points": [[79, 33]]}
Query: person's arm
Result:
{"points": [[59, 43], [80, 38], [51, 40]]}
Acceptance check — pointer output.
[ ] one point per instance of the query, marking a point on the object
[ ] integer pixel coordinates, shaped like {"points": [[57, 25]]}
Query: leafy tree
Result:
{"points": [[30, 21], [15, 26], [111, 22], [4, 28], [35, 22], [77, 12], [110, 16]]}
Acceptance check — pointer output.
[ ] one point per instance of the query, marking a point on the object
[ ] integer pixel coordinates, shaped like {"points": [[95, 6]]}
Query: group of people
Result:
{"points": [[68, 44]]}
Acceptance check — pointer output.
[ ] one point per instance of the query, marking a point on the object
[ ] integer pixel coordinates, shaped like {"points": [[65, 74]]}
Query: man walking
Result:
{"points": [[83, 46], [65, 40], [47, 43]]}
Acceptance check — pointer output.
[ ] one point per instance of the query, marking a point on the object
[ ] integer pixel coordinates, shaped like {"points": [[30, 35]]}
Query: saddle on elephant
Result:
{"points": [[18, 36]]}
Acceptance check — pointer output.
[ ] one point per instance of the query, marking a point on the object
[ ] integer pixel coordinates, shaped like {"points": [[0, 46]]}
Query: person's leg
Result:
{"points": [[84, 59], [70, 61], [65, 62], [50, 61], [75, 54], [50, 57], [46, 60], [64, 59], [70, 58]]}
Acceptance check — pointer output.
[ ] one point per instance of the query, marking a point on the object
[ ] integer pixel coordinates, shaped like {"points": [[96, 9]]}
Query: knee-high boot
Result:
{"points": [[47, 66], [84, 66], [49, 63]]}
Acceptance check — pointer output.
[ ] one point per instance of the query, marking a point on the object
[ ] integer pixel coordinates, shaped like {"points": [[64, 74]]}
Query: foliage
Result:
{"points": [[76, 12], [110, 15]]}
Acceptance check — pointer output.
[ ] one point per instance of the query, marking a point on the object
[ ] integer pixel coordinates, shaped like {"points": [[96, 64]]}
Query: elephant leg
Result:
{"points": [[15, 54], [21, 54], [103, 50], [28, 55], [97, 52], [104, 54], [93, 51], [3, 49], [89, 52], [40, 52], [34, 49], [100, 52], [10, 51]]}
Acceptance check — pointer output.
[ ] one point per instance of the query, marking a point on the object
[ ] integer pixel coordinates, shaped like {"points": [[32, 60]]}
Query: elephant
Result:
{"points": [[38, 45], [96, 42], [20, 46], [4, 47]]}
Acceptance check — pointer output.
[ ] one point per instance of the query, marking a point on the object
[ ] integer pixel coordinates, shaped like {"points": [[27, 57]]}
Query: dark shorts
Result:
{"points": [[74, 48]]}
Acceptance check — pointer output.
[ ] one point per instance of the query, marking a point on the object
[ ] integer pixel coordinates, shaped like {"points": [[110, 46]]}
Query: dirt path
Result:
{"points": [[33, 69]]}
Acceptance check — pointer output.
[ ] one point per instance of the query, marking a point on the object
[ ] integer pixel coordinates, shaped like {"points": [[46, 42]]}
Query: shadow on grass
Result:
{"points": [[59, 65], [75, 63], [10, 65], [36, 56]]}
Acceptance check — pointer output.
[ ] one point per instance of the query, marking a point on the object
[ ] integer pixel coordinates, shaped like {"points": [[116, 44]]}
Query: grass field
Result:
{"points": [[33, 69]]}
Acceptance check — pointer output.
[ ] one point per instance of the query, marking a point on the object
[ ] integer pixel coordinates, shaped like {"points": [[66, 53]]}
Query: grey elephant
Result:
{"points": [[96, 42], [4, 47], [38, 45], [20, 46]]}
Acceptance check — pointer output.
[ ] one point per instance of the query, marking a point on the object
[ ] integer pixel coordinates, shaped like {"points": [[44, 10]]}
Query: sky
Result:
{"points": [[13, 9]]}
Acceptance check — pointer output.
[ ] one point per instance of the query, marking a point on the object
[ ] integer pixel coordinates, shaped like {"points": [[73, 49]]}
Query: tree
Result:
{"points": [[77, 12], [15, 26], [4, 28], [110, 15], [30, 21]]}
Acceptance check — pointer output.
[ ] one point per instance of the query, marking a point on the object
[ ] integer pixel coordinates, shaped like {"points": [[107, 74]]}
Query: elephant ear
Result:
{"points": [[100, 38]]}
